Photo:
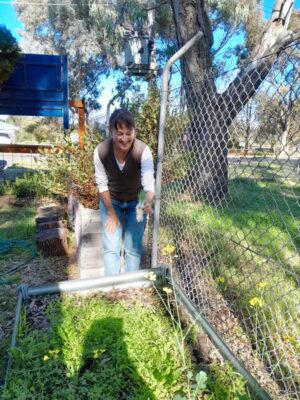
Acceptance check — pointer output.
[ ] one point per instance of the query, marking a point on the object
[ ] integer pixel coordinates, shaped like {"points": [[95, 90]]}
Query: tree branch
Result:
{"points": [[275, 39]]}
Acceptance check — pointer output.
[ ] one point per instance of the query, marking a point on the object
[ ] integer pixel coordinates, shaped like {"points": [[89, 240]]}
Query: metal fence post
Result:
{"points": [[160, 150]]}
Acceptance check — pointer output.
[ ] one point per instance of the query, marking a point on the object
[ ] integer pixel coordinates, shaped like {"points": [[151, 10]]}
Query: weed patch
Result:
{"points": [[106, 347]]}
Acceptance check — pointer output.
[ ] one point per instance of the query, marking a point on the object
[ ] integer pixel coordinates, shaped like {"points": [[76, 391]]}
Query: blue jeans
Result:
{"points": [[128, 228]]}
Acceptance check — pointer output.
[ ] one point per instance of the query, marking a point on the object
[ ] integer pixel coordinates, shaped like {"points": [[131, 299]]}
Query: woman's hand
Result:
{"points": [[148, 202], [111, 223], [147, 207]]}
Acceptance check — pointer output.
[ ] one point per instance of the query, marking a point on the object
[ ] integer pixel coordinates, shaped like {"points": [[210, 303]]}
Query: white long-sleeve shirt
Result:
{"points": [[147, 171]]}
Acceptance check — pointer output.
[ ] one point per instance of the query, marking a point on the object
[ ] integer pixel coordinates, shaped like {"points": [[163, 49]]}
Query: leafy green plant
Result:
{"points": [[146, 113], [69, 167], [197, 387], [211, 383], [30, 185], [9, 53], [98, 347]]}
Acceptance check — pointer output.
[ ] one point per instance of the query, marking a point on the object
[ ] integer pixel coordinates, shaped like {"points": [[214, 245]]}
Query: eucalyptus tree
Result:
{"points": [[263, 42], [9, 53], [92, 34], [278, 111], [71, 29]]}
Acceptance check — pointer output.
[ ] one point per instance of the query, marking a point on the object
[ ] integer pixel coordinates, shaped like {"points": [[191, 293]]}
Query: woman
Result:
{"points": [[123, 167]]}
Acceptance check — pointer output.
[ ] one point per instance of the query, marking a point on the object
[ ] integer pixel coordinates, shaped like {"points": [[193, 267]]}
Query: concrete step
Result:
{"points": [[90, 226], [91, 273], [91, 239], [87, 253], [91, 263]]}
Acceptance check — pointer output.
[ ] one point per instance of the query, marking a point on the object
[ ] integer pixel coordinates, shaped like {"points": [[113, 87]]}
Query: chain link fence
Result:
{"points": [[230, 206], [15, 160]]}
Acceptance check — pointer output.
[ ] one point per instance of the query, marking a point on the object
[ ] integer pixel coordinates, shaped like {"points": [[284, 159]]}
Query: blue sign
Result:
{"points": [[37, 87]]}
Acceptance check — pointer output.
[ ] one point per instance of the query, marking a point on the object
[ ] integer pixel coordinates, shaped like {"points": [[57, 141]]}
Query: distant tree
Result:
{"points": [[279, 111], [9, 53], [210, 140], [244, 128], [61, 29], [37, 129]]}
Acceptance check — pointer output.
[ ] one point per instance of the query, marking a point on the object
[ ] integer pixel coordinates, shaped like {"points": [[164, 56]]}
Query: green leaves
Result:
{"points": [[195, 388], [105, 347], [201, 379], [9, 53]]}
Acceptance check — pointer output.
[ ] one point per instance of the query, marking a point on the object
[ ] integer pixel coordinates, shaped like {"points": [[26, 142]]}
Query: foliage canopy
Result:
{"points": [[9, 53]]}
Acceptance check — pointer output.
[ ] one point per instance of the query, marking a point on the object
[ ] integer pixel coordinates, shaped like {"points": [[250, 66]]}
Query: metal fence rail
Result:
{"points": [[230, 204], [16, 159]]}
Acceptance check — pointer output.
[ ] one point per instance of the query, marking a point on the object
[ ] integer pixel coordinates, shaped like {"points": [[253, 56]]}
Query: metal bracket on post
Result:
{"points": [[160, 150], [79, 105]]}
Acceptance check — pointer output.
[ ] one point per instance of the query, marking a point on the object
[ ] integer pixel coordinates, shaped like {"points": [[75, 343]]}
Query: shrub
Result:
{"points": [[29, 185], [146, 116], [71, 167]]}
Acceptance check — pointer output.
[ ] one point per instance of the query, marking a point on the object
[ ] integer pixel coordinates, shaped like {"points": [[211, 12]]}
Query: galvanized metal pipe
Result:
{"points": [[106, 282], [14, 334], [200, 321], [160, 150]]}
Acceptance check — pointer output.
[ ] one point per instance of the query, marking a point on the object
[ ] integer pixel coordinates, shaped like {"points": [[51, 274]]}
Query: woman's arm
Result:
{"points": [[102, 181], [147, 176]]}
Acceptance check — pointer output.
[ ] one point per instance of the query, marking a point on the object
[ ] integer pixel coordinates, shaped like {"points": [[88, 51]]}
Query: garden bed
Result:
{"points": [[118, 345], [17, 222]]}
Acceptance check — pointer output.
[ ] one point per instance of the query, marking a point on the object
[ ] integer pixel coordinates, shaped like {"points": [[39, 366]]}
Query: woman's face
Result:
{"points": [[123, 137]]}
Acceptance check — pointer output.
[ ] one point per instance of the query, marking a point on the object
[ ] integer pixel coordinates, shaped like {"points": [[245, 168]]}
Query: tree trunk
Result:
{"points": [[285, 133], [210, 113], [247, 138]]}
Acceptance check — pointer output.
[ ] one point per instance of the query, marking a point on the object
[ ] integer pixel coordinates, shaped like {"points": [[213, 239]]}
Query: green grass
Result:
{"points": [[252, 237], [97, 348], [29, 185], [15, 224]]}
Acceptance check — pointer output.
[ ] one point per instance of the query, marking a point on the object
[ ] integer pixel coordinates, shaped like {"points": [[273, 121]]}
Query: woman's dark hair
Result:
{"points": [[121, 117]]}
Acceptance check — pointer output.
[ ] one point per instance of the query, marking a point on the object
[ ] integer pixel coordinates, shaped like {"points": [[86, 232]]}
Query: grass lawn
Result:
{"points": [[115, 346], [16, 223], [250, 246]]}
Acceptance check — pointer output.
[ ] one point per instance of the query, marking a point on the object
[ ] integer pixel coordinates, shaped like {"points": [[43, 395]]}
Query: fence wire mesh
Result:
{"points": [[230, 206], [13, 163]]}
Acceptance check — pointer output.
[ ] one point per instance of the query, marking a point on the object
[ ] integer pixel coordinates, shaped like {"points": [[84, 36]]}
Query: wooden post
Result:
{"points": [[79, 104]]}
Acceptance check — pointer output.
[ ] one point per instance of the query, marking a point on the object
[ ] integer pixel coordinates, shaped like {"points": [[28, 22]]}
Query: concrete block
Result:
{"points": [[91, 239], [91, 252], [91, 273]]}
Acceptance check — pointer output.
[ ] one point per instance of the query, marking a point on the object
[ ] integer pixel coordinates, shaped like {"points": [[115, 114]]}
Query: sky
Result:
{"points": [[9, 18]]}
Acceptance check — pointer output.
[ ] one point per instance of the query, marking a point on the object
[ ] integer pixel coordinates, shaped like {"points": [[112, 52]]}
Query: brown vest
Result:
{"points": [[123, 185]]}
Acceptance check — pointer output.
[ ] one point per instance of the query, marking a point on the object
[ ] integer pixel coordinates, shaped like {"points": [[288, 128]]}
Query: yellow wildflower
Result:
{"points": [[168, 250], [151, 276], [53, 352], [220, 279], [167, 290], [45, 358], [256, 302], [262, 285]]}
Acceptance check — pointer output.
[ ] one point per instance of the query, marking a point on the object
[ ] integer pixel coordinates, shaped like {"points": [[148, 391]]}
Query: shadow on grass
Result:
{"points": [[106, 369], [262, 217], [56, 363]]}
